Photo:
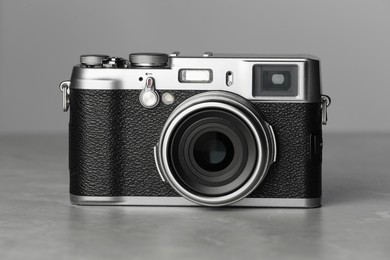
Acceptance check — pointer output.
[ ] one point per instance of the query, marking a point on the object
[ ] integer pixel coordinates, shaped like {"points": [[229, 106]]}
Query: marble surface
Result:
{"points": [[38, 222]]}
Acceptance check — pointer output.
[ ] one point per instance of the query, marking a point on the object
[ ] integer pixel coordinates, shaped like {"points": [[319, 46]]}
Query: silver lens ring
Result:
{"points": [[244, 110]]}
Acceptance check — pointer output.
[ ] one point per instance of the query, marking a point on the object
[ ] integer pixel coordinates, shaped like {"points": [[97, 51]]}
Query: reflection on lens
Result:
{"points": [[213, 151]]}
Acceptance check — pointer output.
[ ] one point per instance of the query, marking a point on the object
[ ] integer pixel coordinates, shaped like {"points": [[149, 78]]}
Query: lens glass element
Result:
{"points": [[213, 151]]}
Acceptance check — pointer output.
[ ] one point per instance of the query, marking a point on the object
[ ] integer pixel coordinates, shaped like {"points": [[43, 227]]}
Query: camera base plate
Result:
{"points": [[180, 201]]}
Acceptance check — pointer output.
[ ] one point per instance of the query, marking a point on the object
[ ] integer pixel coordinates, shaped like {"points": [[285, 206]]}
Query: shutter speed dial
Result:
{"points": [[148, 59]]}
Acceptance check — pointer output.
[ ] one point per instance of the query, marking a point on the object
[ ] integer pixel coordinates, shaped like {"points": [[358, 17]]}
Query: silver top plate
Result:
{"points": [[240, 66]]}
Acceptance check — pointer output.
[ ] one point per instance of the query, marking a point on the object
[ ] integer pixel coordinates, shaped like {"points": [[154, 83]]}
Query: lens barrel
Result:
{"points": [[215, 148]]}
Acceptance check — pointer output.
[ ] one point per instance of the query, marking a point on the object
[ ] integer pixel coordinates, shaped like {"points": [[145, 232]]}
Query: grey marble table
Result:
{"points": [[38, 222]]}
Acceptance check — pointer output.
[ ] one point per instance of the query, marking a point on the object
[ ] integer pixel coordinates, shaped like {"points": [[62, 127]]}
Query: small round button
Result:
{"points": [[148, 59], [168, 98], [93, 59], [149, 99]]}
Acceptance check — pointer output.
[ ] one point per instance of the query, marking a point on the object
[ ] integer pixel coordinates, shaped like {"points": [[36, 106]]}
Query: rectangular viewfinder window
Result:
{"points": [[195, 76], [275, 80]]}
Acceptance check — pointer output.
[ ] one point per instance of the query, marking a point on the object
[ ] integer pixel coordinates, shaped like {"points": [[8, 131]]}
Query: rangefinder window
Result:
{"points": [[274, 80]]}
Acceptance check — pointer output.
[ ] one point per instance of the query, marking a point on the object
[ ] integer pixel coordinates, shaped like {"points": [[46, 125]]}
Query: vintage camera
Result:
{"points": [[213, 130]]}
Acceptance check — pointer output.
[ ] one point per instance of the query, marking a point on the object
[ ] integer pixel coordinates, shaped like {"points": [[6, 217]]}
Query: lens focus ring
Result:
{"points": [[244, 179]]}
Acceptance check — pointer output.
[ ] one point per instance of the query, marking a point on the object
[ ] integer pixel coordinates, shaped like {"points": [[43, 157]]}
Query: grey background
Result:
{"points": [[41, 40]]}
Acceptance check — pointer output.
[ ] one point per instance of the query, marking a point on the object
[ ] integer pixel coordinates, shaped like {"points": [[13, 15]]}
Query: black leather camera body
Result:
{"points": [[215, 130]]}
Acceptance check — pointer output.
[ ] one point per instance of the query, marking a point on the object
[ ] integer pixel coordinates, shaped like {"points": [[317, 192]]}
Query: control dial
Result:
{"points": [[93, 59], [148, 59]]}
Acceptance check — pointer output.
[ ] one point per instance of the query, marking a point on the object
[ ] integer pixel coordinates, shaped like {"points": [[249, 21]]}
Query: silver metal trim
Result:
{"points": [[157, 163], [149, 89], [309, 90], [325, 103], [147, 65], [148, 59], [300, 56], [65, 89], [229, 78], [273, 139], [265, 142], [93, 59], [179, 201]]}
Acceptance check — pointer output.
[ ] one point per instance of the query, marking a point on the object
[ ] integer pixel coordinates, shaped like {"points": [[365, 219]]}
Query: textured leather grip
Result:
{"points": [[111, 140]]}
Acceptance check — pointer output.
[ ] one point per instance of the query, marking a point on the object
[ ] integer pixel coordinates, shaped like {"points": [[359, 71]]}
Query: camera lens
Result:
{"points": [[212, 152], [215, 149]]}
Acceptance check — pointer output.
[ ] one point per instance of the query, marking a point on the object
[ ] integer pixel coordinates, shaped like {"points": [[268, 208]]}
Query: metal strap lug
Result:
{"points": [[64, 87], [325, 103]]}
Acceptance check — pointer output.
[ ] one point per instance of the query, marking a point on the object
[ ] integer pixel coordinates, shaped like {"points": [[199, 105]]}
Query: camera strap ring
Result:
{"points": [[64, 87], [325, 103]]}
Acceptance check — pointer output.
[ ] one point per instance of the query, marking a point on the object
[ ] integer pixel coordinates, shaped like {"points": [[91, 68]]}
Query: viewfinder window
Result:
{"points": [[275, 80]]}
